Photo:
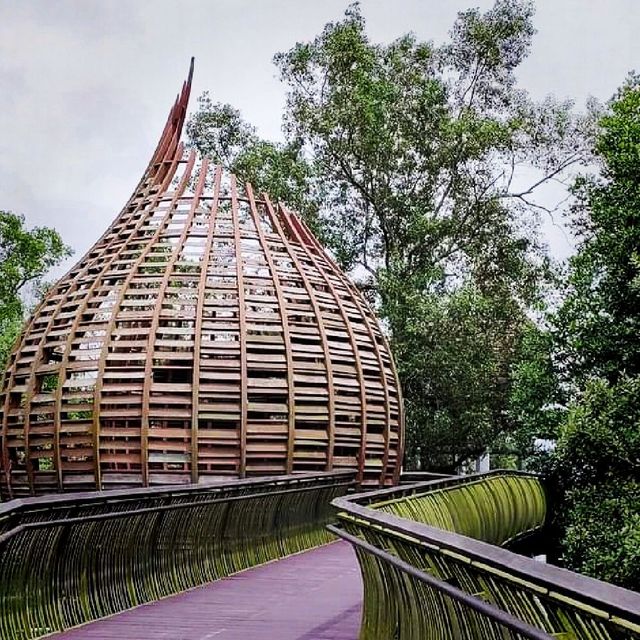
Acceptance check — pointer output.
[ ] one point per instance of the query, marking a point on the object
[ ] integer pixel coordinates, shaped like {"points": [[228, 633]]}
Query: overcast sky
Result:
{"points": [[85, 85]]}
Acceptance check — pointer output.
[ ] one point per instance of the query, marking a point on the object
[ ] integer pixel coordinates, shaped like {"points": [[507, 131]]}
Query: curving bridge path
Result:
{"points": [[314, 595], [431, 554]]}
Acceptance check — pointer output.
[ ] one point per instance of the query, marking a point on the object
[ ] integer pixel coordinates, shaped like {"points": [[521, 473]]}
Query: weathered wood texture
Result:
{"points": [[207, 333]]}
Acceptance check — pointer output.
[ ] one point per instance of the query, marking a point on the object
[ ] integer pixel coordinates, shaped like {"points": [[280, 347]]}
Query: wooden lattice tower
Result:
{"points": [[207, 333]]}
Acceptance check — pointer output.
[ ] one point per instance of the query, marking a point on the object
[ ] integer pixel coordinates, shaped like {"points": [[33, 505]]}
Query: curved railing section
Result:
{"points": [[68, 559], [495, 508], [432, 570]]}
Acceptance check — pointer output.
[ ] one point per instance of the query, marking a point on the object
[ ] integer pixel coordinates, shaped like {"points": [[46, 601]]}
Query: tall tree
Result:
{"points": [[423, 148], [422, 144], [598, 326], [416, 154], [25, 257], [597, 464]]}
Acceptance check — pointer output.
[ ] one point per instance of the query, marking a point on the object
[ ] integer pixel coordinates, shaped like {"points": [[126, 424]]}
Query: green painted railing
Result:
{"points": [[68, 559], [494, 509], [430, 572]]}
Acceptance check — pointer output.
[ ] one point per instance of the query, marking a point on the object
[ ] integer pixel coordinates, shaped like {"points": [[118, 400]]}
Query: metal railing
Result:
{"points": [[68, 559], [425, 582], [411, 477]]}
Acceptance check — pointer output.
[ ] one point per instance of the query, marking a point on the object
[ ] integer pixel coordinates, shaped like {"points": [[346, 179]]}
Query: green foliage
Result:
{"points": [[219, 132], [49, 383], [602, 538], [600, 441], [596, 467], [282, 171], [417, 143], [536, 403], [598, 326], [25, 256], [10, 326], [596, 471], [453, 357], [407, 155]]}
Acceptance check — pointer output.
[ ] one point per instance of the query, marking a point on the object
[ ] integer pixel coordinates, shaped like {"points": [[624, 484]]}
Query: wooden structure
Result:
{"points": [[207, 333]]}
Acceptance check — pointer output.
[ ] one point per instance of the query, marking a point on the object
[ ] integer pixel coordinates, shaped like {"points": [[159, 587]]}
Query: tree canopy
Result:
{"points": [[598, 324], [596, 468], [408, 158]]}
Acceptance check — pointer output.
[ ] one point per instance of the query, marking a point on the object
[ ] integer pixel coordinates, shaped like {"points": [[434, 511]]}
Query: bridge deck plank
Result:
{"points": [[316, 595]]}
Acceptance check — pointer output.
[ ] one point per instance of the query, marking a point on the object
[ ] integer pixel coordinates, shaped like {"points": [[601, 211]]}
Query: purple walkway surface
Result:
{"points": [[316, 595]]}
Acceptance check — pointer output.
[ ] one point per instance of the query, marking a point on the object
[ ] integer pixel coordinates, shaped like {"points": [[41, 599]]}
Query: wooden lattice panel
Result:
{"points": [[205, 334]]}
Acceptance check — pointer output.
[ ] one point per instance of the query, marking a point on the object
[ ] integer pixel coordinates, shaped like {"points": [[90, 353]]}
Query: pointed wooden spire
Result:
{"points": [[205, 334]]}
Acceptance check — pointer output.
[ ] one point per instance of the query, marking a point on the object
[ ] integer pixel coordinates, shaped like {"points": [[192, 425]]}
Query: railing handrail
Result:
{"points": [[589, 591], [142, 545], [49, 502], [488, 610], [417, 488], [97, 517]]}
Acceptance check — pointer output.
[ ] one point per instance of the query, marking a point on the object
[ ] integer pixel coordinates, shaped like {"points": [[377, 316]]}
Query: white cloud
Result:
{"points": [[86, 84]]}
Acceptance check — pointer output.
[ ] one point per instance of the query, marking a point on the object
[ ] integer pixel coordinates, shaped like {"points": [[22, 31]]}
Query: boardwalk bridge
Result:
{"points": [[201, 437], [431, 557]]}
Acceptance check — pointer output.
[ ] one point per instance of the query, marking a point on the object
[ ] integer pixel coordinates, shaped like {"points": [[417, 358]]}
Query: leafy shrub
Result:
{"points": [[600, 440], [602, 538], [596, 471]]}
